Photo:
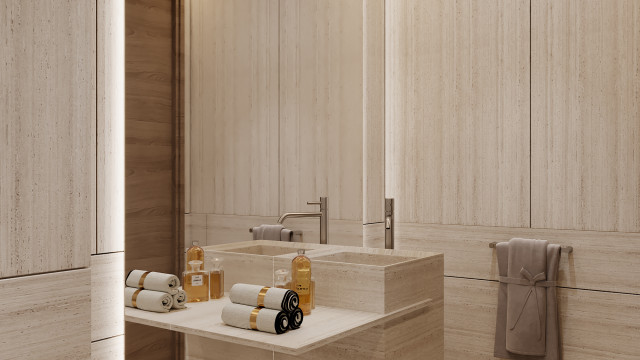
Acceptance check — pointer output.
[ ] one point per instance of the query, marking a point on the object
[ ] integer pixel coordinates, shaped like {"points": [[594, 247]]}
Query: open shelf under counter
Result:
{"points": [[323, 326]]}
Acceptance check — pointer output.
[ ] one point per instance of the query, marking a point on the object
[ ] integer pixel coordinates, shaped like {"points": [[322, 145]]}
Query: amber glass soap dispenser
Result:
{"points": [[196, 282], [195, 252], [301, 280]]}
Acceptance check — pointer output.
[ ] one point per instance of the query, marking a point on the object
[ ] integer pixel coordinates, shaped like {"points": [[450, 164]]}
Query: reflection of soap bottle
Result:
{"points": [[301, 280], [281, 279], [196, 282], [195, 252], [217, 279]]}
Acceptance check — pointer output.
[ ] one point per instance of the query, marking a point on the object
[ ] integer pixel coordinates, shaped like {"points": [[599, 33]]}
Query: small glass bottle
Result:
{"points": [[195, 252], [282, 279], [196, 283], [217, 279], [301, 280]]}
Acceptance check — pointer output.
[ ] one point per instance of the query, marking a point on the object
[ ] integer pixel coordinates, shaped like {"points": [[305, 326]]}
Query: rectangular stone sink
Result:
{"points": [[364, 279], [269, 250], [364, 258], [251, 262]]}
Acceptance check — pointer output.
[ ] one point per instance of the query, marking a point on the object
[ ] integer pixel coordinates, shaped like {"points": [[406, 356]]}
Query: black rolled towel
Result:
{"points": [[295, 319], [290, 301], [282, 322]]}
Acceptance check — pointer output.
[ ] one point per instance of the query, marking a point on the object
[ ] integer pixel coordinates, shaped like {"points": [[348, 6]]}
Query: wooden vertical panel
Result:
{"points": [[152, 182], [373, 110], [457, 111], [586, 115], [110, 135], [46, 316], [321, 106], [149, 136], [234, 107], [107, 298], [47, 135]]}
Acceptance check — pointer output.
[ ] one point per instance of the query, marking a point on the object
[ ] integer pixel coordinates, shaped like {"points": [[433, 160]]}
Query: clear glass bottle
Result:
{"points": [[301, 280], [217, 279], [195, 252], [195, 282], [282, 280]]}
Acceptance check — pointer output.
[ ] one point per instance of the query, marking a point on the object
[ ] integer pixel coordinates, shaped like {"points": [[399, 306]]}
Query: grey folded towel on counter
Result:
{"points": [[148, 300], [155, 281], [258, 295], [527, 317], [250, 317], [272, 232]]}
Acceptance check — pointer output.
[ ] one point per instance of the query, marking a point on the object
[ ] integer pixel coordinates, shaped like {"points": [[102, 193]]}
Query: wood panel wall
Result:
{"points": [[457, 111], [234, 107], [321, 46], [471, 103], [586, 110], [275, 115], [47, 136], [47, 177], [153, 159]]}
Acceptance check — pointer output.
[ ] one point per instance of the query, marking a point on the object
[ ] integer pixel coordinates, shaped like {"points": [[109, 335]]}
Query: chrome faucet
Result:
{"points": [[322, 214]]}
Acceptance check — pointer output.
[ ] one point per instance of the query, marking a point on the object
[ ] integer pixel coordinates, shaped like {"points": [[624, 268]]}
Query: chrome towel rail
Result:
{"points": [[564, 249]]}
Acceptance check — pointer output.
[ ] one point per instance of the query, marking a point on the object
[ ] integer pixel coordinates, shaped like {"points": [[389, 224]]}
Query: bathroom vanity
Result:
{"points": [[370, 304]]}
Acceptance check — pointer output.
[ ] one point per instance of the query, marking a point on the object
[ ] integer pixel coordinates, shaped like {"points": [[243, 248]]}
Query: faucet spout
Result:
{"points": [[322, 214], [298, 215]]}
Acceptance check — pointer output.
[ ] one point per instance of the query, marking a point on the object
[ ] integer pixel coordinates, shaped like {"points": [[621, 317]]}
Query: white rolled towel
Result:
{"points": [[249, 317], [258, 295], [148, 300], [156, 281], [179, 300]]}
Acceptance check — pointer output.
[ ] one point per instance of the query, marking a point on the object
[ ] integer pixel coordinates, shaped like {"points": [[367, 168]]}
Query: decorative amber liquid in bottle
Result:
{"points": [[195, 252], [217, 279], [301, 280], [196, 283]]}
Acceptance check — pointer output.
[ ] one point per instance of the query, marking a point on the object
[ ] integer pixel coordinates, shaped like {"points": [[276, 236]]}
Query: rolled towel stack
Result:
{"points": [[153, 291], [262, 308]]}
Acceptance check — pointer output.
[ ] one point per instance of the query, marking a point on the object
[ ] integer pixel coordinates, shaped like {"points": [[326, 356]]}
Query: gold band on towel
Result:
{"points": [[261, 296], [134, 298], [253, 318], [141, 281]]}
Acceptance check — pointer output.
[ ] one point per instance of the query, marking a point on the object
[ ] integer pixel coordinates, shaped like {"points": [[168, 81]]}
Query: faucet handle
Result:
{"points": [[314, 203]]}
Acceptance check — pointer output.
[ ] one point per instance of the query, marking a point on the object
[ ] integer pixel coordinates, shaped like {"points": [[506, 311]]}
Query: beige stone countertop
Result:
{"points": [[323, 326]]}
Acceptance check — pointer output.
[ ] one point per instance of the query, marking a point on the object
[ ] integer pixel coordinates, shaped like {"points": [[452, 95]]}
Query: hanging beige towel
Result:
{"points": [[148, 300], [527, 318], [272, 232], [156, 281]]}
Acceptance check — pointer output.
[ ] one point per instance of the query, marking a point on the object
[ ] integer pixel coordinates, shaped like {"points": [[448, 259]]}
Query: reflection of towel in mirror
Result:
{"points": [[147, 299], [272, 232], [527, 318]]}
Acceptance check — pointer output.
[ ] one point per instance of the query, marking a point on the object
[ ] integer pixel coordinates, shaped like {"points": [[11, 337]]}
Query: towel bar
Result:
{"points": [[565, 249]]}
